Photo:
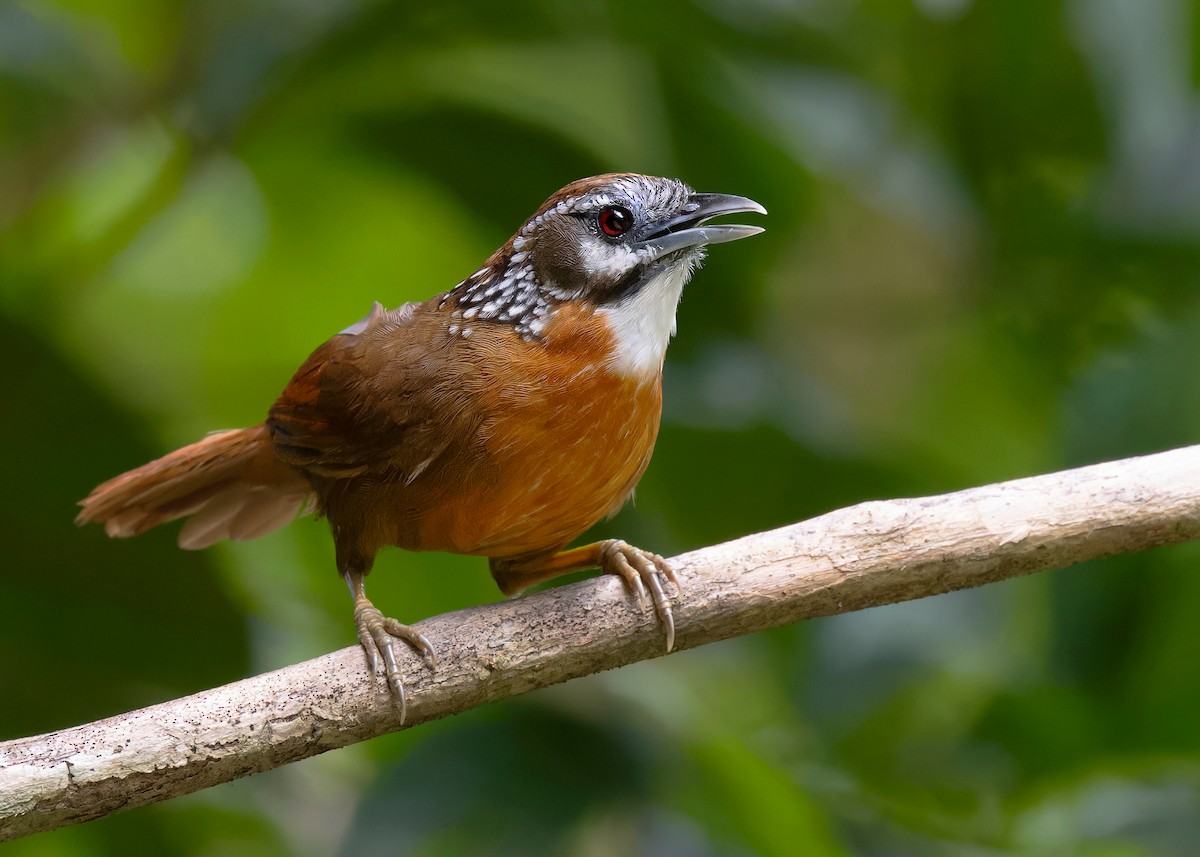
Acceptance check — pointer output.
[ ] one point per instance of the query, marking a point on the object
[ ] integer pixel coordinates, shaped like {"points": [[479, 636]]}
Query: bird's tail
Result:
{"points": [[229, 485]]}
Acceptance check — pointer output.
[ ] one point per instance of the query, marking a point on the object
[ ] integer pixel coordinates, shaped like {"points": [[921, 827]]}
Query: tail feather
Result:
{"points": [[230, 485]]}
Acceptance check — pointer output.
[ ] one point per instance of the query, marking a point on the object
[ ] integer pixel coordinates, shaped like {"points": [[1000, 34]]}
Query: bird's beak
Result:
{"points": [[686, 229]]}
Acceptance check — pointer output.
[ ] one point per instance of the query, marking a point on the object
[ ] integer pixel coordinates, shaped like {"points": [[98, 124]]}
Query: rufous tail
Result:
{"points": [[229, 485]]}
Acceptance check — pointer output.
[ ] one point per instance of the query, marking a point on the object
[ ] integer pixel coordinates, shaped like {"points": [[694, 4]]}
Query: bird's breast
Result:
{"points": [[563, 438]]}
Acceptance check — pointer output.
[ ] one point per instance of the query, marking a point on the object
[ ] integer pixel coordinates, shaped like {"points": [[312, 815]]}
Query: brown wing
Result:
{"points": [[365, 400]]}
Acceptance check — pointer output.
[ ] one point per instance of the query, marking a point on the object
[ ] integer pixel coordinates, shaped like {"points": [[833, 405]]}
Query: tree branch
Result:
{"points": [[870, 554]]}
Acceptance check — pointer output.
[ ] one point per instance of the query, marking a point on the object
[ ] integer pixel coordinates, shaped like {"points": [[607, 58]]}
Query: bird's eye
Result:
{"points": [[615, 220]]}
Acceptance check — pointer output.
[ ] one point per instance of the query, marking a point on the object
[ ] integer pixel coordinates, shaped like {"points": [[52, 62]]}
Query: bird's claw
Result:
{"points": [[378, 635], [640, 570]]}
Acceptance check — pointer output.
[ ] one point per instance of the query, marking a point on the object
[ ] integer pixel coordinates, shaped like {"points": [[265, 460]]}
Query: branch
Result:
{"points": [[870, 554]]}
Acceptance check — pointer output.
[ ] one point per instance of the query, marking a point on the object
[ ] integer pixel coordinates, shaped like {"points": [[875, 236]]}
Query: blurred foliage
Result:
{"points": [[982, 261]]}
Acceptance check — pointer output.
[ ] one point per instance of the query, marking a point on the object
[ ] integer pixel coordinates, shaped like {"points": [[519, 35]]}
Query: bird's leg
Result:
{"points": [[639, 569], [378, 635]]}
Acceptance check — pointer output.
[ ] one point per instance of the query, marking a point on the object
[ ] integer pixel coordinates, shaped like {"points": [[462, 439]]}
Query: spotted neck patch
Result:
{"points": [[506, 289], [507, 292]]}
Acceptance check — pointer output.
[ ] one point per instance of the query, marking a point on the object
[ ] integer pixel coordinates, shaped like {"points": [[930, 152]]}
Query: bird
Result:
{"points": [[501, 418]]}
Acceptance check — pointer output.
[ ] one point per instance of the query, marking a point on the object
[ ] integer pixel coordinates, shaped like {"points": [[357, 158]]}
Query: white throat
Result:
{"points": [[644, 323]]}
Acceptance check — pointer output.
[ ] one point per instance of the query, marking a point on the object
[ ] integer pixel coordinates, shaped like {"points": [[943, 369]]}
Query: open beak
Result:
{"points": [[687, 228]]}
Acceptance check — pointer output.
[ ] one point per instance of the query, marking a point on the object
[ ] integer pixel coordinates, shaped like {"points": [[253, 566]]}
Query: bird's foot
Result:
{"points": [[640, 570], [378, 635]]}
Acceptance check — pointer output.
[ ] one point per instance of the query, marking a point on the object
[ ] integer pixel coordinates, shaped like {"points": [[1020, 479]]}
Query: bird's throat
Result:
{"points": [[643, 322]]}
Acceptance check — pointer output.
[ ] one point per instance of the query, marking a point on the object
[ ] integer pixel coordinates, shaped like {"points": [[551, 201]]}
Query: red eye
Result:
{"points": [[615, 221]]}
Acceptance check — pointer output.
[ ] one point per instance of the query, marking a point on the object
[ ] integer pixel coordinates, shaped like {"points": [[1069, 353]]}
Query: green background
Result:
{"points": [[982, 262]]}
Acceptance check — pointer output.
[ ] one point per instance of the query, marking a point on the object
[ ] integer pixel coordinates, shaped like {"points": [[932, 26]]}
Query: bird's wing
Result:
{"points": [[365, 401]]}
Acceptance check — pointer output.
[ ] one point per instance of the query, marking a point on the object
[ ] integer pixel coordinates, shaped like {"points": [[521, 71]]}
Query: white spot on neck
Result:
{"points": [[643, 323]]}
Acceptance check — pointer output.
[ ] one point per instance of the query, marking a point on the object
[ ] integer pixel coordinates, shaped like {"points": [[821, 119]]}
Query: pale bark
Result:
{"points": [[873, 553]]}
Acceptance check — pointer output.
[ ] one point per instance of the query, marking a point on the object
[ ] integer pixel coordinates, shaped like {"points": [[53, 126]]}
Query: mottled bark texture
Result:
{"points": [[873, 553]]}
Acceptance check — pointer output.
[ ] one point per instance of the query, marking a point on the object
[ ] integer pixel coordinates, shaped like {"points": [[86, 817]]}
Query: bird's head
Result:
{"points": [[624, 244]]}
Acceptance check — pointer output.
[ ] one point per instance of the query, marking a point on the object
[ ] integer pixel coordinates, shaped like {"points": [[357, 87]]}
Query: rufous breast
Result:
{"points": [[562, 440]]}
